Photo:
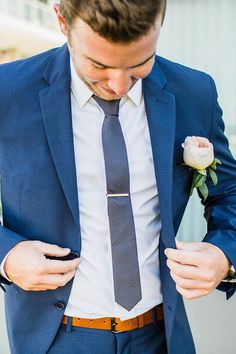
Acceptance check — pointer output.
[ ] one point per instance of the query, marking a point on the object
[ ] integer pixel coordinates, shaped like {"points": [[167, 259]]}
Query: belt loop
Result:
{"points": [[160, 314], [113, 324], [140, 321], [69, 324], [154, 315]]}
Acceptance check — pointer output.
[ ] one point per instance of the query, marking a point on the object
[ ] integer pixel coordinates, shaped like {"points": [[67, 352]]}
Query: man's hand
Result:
{"points": [[197, 268], [27, 267]]}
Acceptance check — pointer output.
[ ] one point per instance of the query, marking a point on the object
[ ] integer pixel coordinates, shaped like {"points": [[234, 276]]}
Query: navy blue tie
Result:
{"points": [[126, 276]]}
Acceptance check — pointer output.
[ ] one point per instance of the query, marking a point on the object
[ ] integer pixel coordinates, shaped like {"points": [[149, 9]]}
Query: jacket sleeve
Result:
{"points": [[8, 239], [220, 206]]}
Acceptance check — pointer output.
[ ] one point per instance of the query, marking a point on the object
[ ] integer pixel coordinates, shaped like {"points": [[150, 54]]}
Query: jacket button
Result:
{"points": [[59, 305]]}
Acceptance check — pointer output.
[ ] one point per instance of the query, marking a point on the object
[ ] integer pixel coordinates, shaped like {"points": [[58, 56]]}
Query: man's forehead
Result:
{"points": [[114, 67]]}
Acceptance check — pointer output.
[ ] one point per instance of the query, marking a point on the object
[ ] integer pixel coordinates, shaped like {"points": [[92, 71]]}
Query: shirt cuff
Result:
{"points": [[229, 281], [2, 272], [231, 278]]}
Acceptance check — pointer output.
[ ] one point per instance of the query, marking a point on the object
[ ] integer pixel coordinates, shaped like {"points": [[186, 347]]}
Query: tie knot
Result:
{"points": [[108, 107]]}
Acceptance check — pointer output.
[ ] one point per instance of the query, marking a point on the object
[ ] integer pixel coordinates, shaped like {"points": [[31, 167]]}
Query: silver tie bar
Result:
{"points": [[118, 195]]}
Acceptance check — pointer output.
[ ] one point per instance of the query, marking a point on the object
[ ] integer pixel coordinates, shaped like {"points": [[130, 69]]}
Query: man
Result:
{"points": [[78, 124]]}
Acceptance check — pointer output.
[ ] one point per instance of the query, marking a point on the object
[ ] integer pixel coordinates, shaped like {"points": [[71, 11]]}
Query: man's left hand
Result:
{"points": [[197, 268]]}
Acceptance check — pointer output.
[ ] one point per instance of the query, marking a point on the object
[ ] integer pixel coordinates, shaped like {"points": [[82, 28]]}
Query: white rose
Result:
{"points": [[198, 152]]}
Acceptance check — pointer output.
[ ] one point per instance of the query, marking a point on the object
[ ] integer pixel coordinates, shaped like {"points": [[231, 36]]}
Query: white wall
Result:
{"points": [[202, 34], [3, 336]]}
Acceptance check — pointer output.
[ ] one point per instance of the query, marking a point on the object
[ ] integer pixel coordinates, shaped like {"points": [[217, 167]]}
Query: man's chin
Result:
{"points": [[104, 94], [108, 97], [101, 92]]}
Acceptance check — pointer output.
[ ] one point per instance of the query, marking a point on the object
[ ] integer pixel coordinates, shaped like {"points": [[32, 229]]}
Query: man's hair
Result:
{"points": [[120, 21]]}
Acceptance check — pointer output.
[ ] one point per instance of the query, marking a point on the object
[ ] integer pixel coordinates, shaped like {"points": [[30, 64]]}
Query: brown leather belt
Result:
{"points": [[115, 324]]}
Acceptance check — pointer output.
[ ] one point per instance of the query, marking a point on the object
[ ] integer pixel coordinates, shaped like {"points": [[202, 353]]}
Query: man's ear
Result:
{"points": [[62, 23]]}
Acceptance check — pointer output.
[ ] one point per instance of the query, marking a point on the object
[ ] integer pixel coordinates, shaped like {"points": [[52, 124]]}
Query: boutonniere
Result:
{"points": [[199, 156]]}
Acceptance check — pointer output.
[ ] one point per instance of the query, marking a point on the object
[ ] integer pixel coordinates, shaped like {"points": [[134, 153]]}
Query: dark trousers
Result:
{"points": [[75, 340]]}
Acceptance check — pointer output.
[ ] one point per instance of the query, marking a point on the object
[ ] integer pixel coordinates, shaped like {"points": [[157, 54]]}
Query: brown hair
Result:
{"points": [[115, 20]]}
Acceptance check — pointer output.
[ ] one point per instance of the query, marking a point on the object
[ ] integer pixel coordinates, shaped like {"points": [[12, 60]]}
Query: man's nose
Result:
{"points": [[120, 83]]}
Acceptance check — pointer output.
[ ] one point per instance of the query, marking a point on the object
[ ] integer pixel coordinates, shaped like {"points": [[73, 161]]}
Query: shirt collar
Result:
{"points": [[135, 93], [79, 89], [82, 93]]}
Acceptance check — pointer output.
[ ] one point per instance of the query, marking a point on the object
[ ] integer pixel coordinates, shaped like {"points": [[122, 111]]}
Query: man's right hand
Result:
{"points": [[27, 267]]}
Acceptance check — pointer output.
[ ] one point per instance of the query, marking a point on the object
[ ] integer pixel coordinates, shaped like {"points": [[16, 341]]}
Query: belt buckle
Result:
{"points": [[113, 325]]}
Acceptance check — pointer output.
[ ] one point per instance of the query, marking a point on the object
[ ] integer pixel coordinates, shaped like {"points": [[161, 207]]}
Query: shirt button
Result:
{"points": [[59, 305]]}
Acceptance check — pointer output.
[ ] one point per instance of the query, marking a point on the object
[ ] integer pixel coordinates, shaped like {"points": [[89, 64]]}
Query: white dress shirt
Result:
{"points": [[92, 294]]}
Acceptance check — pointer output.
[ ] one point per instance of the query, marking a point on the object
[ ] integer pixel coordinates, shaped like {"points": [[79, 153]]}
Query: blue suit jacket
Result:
{"points": [[39, 191]]}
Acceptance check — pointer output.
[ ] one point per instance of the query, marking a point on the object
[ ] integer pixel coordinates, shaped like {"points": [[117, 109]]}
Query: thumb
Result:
{"points": [[48, 249], [179, 244], [191, 246]]}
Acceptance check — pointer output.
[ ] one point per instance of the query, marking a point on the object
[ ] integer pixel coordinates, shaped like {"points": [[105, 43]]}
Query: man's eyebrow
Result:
{"points": [[113, 67]]}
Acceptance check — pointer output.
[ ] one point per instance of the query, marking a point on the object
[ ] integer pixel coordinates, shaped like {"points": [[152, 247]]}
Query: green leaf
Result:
{"points": [[204, 191], [198, 180], [193, 182], [217, 161], [213, 176], [202, 172], [213, 166], [214, 163]]}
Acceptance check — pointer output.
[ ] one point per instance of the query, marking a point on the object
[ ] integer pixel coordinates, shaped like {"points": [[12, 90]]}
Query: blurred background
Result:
{"points": [[197, 33]]}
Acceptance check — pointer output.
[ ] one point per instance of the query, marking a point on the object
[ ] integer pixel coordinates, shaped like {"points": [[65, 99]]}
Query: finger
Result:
{"points": [[190, 294], [184, 271], [61, 267], [205, 276], [59, 280], [192, 283], [191, 246], [48, 249], [51, 282], [184, 256]]}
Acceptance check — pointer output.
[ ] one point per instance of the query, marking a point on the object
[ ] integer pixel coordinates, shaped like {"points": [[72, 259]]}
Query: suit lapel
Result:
{"points": [[161, 115], [160, 109], [56, 111]]}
